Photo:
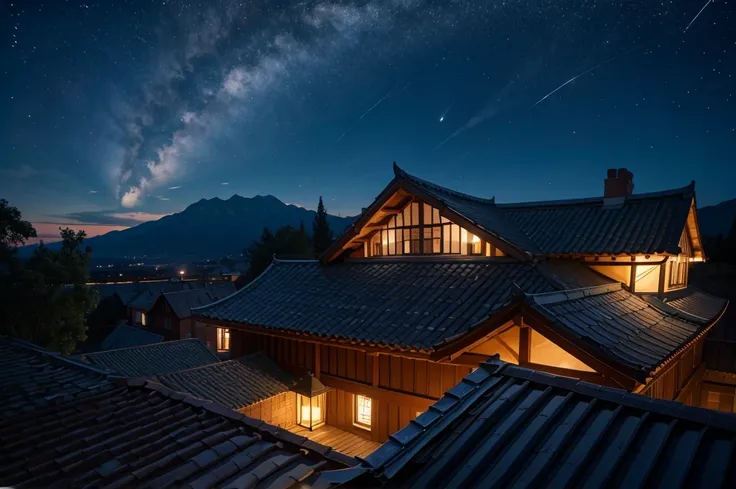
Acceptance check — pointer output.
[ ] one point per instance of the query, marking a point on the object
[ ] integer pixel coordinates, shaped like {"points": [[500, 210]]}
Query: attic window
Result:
{"points": [[420, 230], [223, 339]]}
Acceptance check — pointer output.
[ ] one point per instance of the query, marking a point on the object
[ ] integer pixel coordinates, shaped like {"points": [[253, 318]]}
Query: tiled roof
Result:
{"points": [[183, 302], [571, 274], [235, 383], [506, 426], [124, 336], [407, 303], [619, 328], [145, 300], [32, 378], [146, 435], [147, 293], [644, 223], [483, 212], [156, 359], [699, 306]]}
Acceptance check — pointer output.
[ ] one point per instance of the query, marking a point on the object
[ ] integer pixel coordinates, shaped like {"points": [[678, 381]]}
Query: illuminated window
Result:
{"points": [[420, 230], [143, 318], [310, 411], [362, 412], [679, 265], [223, 339]]}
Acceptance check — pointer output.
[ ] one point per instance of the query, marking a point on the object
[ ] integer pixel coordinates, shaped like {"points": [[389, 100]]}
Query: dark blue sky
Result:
{"points": [[118, 111]]}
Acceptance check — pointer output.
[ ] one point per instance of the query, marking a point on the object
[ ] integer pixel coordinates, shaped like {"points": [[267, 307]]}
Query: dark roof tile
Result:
{"points": [[407, 303], [155, 359], [32, 378], [233, 384], [182, 302], [615, 326], [524, 429], [124, 336]]}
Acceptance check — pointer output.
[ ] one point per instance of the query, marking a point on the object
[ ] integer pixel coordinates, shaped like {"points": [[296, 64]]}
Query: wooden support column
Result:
{"points": [[662, 278], [375, 370], [525, 343], [317, 361], [632, 278]]}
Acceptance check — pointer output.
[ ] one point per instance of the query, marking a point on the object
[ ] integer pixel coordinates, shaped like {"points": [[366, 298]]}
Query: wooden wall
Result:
{"points": [[279, 410], [401, 388], [678, 376]]}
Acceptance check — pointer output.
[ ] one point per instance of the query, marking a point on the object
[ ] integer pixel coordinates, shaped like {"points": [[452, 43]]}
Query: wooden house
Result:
{"points": [[429, 282]]}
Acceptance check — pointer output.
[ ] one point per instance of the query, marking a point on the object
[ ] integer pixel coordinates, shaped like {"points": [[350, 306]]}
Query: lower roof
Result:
{"points": [[615, 326], [235, 383], [507, 426], [696, 305], [141, 434], [32, 378], [405, 303], [154, 359], [124, 336]]}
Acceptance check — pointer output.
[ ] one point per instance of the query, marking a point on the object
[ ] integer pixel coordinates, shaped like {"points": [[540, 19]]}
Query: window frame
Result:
{"points": [[357, 422]]}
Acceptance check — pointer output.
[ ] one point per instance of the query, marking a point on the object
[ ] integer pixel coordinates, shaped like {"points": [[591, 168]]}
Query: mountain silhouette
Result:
{"points": [[209, 228], [717, 219]]}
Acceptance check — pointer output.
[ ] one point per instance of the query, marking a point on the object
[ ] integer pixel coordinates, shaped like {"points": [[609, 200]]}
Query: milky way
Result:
{"points": [[111, 106]]}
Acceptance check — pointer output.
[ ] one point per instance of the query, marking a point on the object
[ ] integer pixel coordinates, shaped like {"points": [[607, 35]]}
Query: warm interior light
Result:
{"points": [[476, 239], [311, 413], [181, 272]]}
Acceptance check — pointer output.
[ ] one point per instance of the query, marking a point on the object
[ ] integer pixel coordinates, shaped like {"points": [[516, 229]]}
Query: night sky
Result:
{"points": [[121, 111]]}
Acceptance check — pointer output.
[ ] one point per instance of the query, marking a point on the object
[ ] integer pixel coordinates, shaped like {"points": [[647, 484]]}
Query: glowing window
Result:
{"points": [[143, 318], [362, 414], [223, 339]]}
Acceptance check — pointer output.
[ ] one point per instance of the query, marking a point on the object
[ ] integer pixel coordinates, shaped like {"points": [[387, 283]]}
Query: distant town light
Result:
{"points": [[181, 272]]}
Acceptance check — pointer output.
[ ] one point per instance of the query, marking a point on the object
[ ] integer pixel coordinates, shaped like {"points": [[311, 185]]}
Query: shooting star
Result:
{"points": [[582, 74], [369, 111], [698, 15]]}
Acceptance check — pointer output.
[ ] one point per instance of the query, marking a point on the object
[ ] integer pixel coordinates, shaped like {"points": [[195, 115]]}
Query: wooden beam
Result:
{"points": [[317, 360], [632, 278], [477, 335], [662, 278], [525, 344], [375, 369], [421, 403], [309, 338], [470, 359]]}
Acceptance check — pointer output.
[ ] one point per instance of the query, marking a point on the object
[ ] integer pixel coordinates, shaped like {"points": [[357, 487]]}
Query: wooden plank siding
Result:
{"points": [[279, 410], [679, 376], [403, 388]]}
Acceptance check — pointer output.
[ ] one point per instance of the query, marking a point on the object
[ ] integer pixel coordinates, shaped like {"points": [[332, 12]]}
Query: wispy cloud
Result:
{"points": [[175, 187], [111, 218], [19, 172], [93, 191], [308, 35], [225, 183], [161, 197]]}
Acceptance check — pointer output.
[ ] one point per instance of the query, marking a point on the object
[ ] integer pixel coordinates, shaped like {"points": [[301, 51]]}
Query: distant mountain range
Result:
{"points": [[717, 219], [210, 228]]}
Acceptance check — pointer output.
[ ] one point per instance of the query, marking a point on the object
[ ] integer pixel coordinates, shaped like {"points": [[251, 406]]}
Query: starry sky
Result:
{"points": [[117, 112]]}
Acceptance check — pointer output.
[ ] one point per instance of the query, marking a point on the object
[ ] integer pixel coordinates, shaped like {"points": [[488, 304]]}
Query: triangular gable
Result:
{"points": [[693, 231], [460, 209]]}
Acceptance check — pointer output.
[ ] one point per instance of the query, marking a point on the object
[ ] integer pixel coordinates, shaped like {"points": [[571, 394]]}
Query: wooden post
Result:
{"points": [[375, 369], [662, 278], [632, 279], [317, 360], [525, 343]]}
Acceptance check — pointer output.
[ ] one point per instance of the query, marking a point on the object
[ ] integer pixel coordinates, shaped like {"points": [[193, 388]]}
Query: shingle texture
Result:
{"points": [[645, 223], [235, 383], [156, 359], [149, 436], [409, 304], [620, 328], [31, 378], [571, 274], [124, 336], [506, 426], [183, 302], [691, 301]]}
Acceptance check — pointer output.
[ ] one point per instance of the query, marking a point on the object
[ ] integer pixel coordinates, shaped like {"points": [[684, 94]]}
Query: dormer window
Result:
{"points": [[420, 230]]}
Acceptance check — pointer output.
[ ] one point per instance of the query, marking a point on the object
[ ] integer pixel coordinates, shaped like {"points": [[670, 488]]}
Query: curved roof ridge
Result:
{"points": [[685, 191], [403, 174]]}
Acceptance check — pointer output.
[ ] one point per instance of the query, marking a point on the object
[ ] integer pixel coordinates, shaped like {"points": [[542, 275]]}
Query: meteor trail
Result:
{"points": [[369, 111], [583, 73], [698, 15]]}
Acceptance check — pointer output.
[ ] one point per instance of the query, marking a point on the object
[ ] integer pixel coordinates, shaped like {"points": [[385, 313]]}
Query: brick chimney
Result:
{"points": [[618, 183]]}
